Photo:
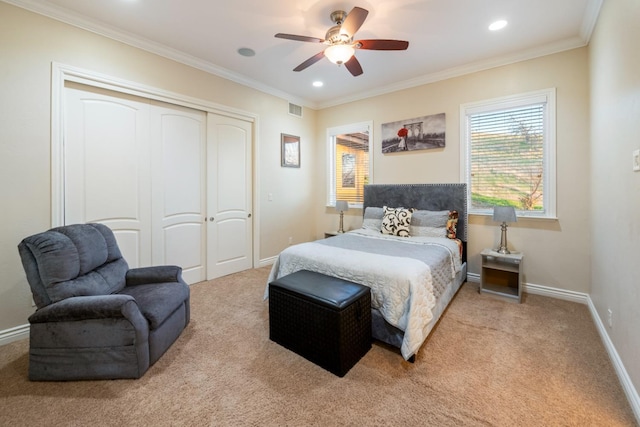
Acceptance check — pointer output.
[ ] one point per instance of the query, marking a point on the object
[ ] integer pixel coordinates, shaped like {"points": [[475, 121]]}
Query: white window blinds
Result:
{"points": [[349, 163], [352, 166], [509, 150]]}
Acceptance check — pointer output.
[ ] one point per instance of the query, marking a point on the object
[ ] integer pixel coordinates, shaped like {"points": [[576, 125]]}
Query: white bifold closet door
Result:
{"points": [[139, 167], [229, 195]]}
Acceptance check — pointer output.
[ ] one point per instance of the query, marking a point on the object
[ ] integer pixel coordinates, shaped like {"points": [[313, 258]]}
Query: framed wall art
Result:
{"points": [[290, 146], [420, 133]]}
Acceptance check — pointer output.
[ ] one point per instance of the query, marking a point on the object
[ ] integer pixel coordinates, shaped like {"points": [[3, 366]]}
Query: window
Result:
{"points": [[509, 153], [348, 163]]}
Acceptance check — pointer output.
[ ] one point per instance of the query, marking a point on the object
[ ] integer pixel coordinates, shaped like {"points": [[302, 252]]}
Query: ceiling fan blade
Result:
{"points": [[353, 21], [354, 67], [315, 58], [382, 44], [299, 38]]}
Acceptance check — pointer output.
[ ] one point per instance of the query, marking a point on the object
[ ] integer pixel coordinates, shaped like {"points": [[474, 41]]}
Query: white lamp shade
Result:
{"points": [[342, 205], [504, 214], [339, 53]]}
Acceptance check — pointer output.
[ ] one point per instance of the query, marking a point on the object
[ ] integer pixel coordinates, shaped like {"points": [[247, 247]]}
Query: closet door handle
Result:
{"points": [[249, 216]]}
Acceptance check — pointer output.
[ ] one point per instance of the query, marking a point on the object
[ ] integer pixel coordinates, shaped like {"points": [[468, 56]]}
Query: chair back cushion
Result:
{"points": [[74, 260]]}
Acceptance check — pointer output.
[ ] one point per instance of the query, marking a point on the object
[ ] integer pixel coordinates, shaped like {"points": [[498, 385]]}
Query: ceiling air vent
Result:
{"points": [[295, 110]]}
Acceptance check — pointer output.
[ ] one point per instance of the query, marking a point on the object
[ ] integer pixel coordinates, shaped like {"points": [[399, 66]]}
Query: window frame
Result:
{"points": [[332, 133], [546, 96]]}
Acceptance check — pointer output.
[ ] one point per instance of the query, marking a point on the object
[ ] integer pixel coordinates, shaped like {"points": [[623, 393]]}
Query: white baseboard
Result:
{"points": [[530, 288], [267, 261], [473, 277], [627, 385], [547, 291], [14, 334]]}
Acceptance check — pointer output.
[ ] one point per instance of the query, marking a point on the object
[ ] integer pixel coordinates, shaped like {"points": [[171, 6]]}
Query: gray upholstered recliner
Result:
{"points": [[96, 318]]}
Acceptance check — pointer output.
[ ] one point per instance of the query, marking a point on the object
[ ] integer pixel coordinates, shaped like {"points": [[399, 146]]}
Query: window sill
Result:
{"points": [[520, 217], [358, 206]]}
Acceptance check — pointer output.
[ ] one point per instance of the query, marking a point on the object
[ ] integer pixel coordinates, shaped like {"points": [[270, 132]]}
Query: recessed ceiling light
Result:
{"points": [[318, 84], [498, 25], [245, 51]]}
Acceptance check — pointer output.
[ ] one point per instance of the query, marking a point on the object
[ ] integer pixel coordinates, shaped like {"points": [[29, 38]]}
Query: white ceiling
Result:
{"points": [[446, 38]]}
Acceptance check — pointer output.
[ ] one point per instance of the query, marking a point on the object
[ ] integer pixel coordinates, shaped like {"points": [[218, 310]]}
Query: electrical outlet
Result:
{"points": [[291, 240], [610, 318], [636, 160]]}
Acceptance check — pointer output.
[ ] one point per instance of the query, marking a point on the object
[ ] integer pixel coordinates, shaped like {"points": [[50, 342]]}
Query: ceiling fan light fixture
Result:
{"points": [[339, 53], [498, 25], [341, 47]]}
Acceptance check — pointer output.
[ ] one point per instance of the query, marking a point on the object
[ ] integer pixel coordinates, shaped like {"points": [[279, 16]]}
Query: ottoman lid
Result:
{"points": [[325, 290]]}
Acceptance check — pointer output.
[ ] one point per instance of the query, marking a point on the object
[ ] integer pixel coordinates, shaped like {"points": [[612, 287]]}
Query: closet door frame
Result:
{"points": [[61, 73]]}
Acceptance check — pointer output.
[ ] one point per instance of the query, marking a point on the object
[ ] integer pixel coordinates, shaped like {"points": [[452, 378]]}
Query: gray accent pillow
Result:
{"points": [[372, 219], [429, 223]]}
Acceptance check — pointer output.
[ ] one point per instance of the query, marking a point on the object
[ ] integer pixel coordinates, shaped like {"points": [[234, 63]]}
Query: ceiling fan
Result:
{"points": [[340, 44]]}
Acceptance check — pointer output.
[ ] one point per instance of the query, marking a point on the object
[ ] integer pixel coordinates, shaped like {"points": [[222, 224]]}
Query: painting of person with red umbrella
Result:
{"points": [[403, 133], [420, 133]]}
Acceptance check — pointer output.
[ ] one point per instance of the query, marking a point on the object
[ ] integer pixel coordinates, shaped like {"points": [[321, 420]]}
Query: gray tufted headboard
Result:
{"points": [[433, 197]]}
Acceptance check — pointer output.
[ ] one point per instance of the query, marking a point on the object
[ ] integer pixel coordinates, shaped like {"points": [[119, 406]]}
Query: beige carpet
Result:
{"points": [[487, 363]]}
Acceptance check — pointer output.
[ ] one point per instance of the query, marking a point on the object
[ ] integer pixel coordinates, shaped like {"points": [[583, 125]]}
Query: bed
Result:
{"points": [[412, 278]]}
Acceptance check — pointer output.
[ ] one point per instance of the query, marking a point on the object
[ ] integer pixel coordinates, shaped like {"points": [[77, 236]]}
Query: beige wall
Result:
{"points": [[556, 252], [593, 246], [615, 188], [28, 45]]}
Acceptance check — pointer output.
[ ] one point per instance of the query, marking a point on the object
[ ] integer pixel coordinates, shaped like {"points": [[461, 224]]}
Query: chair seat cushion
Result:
{"points": [[158, 301]]}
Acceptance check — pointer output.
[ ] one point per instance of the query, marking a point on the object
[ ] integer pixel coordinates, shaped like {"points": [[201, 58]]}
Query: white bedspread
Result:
{"points": [[402, 287]]}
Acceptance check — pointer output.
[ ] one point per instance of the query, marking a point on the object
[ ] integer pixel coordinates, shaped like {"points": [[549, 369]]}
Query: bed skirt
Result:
{"points": [[389, 334]]}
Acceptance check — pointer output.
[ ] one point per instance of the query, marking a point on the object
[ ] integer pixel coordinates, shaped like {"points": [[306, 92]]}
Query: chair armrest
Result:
{"points": [[158, 274], [88, 307]]}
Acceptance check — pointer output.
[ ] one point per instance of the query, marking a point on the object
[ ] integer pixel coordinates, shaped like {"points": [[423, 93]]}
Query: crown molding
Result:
{"points": [[589, 19], [93, 26], [588, 24], [470, 68]]}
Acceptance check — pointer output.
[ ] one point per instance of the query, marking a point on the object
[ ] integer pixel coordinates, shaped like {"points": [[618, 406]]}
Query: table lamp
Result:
{"points": [[504, 214], [341, 206]]}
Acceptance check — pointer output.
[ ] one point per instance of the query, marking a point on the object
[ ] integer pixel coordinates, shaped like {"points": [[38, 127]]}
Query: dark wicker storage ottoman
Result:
{"points": [[324, 319]]}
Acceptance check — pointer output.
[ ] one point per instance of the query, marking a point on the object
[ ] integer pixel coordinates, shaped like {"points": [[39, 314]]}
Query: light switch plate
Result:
{"points": [[636, 160]]}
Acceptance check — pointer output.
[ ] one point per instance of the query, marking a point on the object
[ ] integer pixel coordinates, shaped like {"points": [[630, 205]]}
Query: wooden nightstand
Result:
{"points": [[501, 274]]}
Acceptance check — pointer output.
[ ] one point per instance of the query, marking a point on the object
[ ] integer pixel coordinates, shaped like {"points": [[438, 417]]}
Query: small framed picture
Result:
{"points": [[290, 151]]}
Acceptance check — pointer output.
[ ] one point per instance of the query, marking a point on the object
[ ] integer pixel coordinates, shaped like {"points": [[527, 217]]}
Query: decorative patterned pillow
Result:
{"points": [[396, 221], [372, 219], [429, 223], [452, 224]]}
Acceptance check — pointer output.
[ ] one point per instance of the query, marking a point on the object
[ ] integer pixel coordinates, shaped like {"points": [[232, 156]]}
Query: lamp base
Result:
{"points": [[502, 249], [341, 229]]}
